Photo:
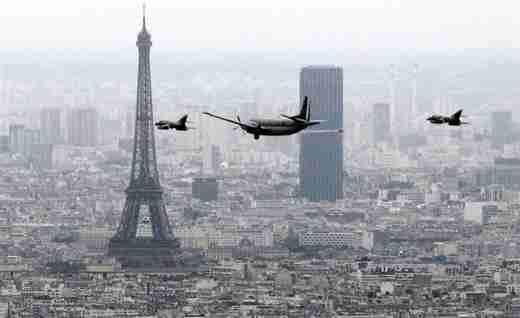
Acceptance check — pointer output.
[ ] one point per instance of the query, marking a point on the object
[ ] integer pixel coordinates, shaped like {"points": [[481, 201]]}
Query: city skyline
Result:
{"points": [[374, 212]]}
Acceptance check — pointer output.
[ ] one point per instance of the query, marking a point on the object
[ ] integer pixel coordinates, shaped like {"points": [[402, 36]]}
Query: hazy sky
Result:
{"points": [[263, 25]]}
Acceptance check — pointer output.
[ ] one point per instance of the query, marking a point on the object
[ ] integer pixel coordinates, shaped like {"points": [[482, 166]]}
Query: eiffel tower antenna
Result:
{"points": [[144, 15]]}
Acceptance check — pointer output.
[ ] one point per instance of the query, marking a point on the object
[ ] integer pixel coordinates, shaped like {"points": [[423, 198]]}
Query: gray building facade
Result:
{"points": [[4, 144], [501, 128], [32, 137], [381, 122], [83, 127], [205, 189], [321, 146], [16, 138], [51, 126]]}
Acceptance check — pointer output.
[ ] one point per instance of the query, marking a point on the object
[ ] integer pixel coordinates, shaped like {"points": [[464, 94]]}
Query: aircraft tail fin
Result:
{"points": [[183, 120], [457, 115], [304, 111]]}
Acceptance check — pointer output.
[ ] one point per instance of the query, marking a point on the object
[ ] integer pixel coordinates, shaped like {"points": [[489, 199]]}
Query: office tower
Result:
{"points": [[82, 127], [393, 75], [4, 144], [205, 189], [31, 138], [207, 166], [216, 157], [321, 146], [381, 122], [211, 159], [16, 138], [144, 207], [505, 171], [5, 87], [501, 128], [50, 126], [414, 111]]}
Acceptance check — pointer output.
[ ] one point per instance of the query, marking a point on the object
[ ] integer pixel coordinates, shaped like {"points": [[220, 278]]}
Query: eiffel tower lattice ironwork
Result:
{"points": [[144, 191]]}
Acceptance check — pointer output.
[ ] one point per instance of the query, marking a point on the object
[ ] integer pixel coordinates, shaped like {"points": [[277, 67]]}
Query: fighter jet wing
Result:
{"points": [[162, 122], [231, 121]]}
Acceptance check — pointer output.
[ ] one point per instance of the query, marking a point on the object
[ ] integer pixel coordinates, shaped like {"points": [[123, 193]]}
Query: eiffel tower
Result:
{"points": [[144, 193]]}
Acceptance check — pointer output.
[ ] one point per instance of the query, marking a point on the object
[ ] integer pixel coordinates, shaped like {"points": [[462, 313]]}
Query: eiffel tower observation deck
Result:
{"points": [[144, 237]]}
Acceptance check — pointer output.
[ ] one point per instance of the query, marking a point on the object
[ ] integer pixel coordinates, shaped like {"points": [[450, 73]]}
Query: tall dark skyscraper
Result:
{"points": [[381, 122], [501, 127], [321, 152], [144, 237], [51, 126]]}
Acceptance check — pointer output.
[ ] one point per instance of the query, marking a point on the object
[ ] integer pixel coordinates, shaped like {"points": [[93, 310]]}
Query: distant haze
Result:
{"points": [[112, 25]]}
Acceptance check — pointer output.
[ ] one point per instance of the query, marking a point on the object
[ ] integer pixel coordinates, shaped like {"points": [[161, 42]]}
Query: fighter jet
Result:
{"points": [[453, 120], [275, 127], [177, 125]]}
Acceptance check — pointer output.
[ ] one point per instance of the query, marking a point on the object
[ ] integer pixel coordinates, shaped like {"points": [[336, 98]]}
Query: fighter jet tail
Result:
{"points": [[457, 115], [183, 120]]}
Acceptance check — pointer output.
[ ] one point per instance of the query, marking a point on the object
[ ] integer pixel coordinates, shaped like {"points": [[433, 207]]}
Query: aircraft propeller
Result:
{"points": [[237, 127]]}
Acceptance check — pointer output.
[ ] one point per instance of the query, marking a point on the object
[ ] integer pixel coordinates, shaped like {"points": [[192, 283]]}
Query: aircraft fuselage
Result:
{"points": [[165, 125], [275, 127], [444, 120]]}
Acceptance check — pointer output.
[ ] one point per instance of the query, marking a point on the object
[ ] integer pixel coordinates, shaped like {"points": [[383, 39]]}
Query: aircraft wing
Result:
{"points": [[162, 122], [230, 120], [294, 118], [302, 121]]}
